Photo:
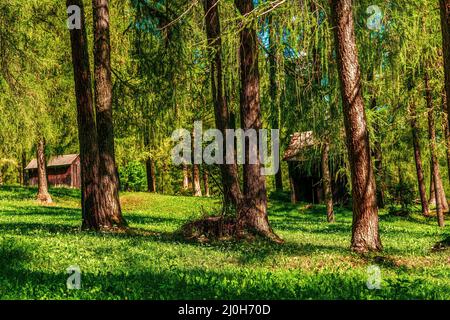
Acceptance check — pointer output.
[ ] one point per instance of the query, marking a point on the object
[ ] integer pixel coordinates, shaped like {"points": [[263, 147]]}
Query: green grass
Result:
{"points": [[38, 243]]}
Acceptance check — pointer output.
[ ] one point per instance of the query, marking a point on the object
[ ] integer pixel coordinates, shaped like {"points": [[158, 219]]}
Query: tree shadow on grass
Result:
{"points": [[17, 193], [186, 283], [277, 208], [305, 224], [148, 219], [259, 253], [27, 210], [196, 283], [247, 252], [20, 193], [428, 221], [65, 213], [19, 281], [137, 234], [25, 228], [13, 254]]}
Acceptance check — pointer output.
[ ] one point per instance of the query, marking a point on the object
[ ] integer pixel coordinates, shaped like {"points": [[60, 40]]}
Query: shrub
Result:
{"points": [[133, 177], [402, 195]]}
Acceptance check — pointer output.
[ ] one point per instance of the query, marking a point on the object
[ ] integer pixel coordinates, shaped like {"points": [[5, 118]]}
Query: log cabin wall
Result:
{"points": [[58, 176], [76, 174], [306, 185]]}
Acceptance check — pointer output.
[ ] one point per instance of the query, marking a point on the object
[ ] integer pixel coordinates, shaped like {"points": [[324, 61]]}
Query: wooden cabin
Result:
{"points": [[61, 171], [305, 171]]}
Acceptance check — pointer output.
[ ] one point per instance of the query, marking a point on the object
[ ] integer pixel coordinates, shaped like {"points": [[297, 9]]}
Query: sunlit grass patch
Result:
{"points": [[151, 261]]}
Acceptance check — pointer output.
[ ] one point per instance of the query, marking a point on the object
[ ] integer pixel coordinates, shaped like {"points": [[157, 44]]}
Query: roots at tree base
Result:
{"points": [[44, 198], [112, 226], [223, 228]]}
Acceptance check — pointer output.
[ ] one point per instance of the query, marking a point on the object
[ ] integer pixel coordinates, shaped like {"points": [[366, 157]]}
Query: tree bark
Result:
{"points": [[151, 176], [380, 173], [446, 129], [19, 174], [163, 175], [441, 193], [254, 216], [274, 96], [434, 161], [197, 189], [206, 181], [418, 159], [445, 28], [294, 198], [185, 177], [365, 235], [109, 179], [23, 172], [432, 198], [149, 164], [229, 172], [326, 181], [43, 194], [93, 217], [378, 157]]}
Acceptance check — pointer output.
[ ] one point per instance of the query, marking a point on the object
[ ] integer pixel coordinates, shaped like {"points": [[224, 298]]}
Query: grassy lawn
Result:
{"points": [[38, 243]]}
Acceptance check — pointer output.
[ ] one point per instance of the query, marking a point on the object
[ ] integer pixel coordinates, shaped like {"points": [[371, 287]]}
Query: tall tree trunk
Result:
{"points": [[317, 88], [23, 171], [294, 198], [254, 215], [418, 159], [274, 95], [163, 177], [380, 173], [378, 157], [432, 198], [197, 189], [151, 176], [365, 235], [444, 202], [196, 186], [229, 172], [446, 129], [445, 28], [19, 174], [434, 161], [93, 217], [108, 174], [206, 181], [149, 164], [43, 194], [441, 193], [326, 180], [185, 177], [279, 178]]}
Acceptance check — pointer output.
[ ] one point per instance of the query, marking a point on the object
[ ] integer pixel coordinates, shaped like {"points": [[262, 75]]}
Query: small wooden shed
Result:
{"points": [[61, 171], [305, 171]]}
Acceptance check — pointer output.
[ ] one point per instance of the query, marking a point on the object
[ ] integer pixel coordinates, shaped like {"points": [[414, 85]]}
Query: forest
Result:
{"points": [[224, 149]]}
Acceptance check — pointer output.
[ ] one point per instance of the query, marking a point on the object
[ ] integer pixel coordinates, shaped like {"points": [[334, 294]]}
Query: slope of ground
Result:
{"points": [[38, 244]]}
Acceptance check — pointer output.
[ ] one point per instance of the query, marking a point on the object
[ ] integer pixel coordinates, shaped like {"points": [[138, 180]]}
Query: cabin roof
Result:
{"points": [[58, 161], [299, 141]]}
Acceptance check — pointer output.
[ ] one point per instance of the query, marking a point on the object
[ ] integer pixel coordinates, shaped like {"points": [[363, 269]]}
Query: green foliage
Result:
{"points": [[133, 177], [161, 82], [8, 171], [38, 244], [403, 195], [161, 78]]}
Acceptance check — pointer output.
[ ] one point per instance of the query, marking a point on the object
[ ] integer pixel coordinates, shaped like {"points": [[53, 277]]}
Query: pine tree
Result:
{"points": [[365, 233]]}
